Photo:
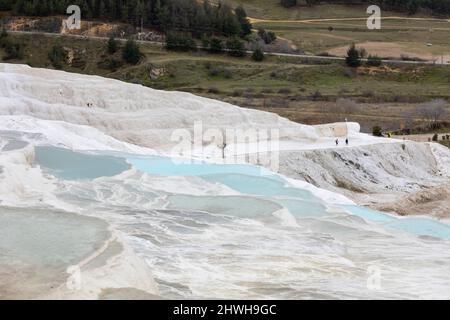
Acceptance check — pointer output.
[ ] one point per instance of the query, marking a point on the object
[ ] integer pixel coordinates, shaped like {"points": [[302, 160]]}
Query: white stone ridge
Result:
{"points": [[141, 115], [140, 118]]}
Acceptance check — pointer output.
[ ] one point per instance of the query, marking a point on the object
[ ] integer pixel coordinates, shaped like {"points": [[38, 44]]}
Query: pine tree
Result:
{"points": [[258, 54], [112, 45], [131, 52], [353, 58], [236, 47], [246, 26]]}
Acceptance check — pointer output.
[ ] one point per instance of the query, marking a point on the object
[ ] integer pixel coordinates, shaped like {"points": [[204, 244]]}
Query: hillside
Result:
{"points": [[301, 89]]}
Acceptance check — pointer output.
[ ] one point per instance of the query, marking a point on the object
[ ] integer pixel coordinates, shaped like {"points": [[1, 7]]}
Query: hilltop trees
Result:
{"points": [[288, 3], [166, 15], [180, 42], [189, 15]]}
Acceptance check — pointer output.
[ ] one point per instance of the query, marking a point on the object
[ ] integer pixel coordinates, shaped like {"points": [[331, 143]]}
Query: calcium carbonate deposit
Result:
{"points": [[87, 170]]}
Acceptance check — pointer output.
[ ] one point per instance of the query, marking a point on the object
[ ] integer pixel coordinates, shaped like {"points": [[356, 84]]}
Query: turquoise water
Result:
{"points": [[161, 166], [69, 165], [249, 180], [237, 206], [422, 227], [369, 214], [270, 191], [268, 186]]}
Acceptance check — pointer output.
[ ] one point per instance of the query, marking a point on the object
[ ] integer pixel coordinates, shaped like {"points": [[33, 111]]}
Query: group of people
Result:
{"points": [[346, 142]]}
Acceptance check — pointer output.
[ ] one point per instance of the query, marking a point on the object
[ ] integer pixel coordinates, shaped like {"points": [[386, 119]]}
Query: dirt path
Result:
{"points": [[421, 137], [256, 20]]}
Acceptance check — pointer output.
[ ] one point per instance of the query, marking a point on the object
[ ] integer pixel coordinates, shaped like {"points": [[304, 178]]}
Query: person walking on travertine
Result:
{"points": [[346, 141], [337, 142]]}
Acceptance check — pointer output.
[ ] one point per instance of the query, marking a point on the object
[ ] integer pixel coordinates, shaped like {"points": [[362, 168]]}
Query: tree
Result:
{"points": [[377, 131], [258, 54], [13, 50], [288, 3], [235, 47], [4, 34], [57, 56], [268, 37], [131, 52], [112, 45], [435, 137], [180, 42], [353, 58], [246, 26], [215, 45], [413, 6]]}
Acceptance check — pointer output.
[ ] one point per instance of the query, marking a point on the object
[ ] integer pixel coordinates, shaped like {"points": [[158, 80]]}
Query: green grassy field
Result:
{"points": [[410, 34], [271, 9]]}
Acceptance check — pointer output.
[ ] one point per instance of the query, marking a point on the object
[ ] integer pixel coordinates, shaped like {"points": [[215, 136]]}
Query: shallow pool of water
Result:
{"points": [[70, 165], [270, 191]]}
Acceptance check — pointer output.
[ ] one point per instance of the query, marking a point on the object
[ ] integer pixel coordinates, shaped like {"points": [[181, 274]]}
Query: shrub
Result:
{"points": [[4, 34], [235, 47], [368, 93], [317, 95], [180, 42], [258, 55], [227, 73], [214, 72], [215, 45], [284, 91], [113, 64], [57, 55], [206, 43], [213, 90], [374, 61], [349, 73], [13, 50], [347, 106], [112, 45], [435, 137], [237, 93], [267, 37], [377, 131]]}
